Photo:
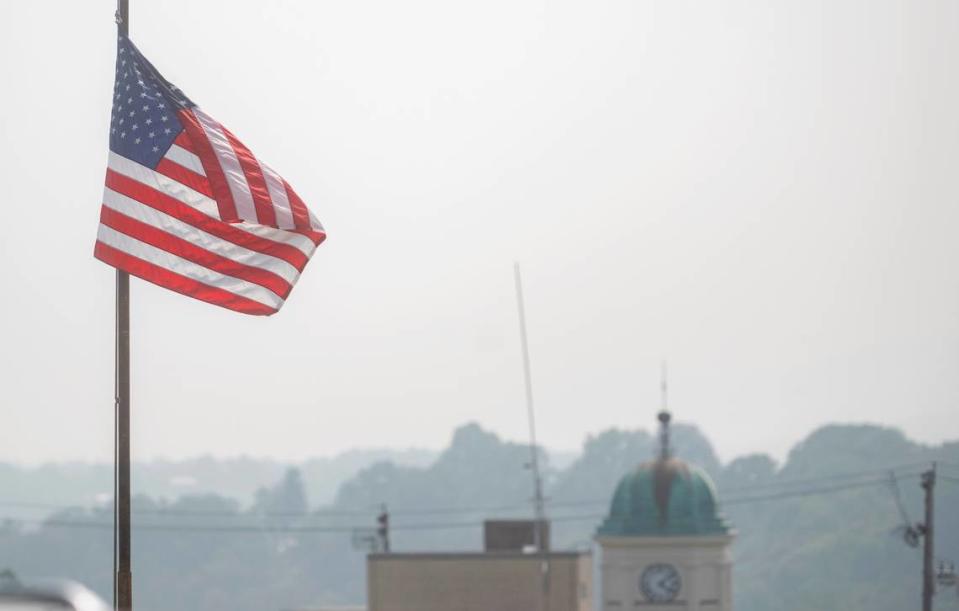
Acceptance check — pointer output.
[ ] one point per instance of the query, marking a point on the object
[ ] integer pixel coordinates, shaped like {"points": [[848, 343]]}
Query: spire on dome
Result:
{"points": [[664, 496], [665, 451]]}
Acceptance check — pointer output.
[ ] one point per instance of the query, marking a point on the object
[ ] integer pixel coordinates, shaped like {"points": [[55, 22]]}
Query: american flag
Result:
{"points": [[188, 207]]}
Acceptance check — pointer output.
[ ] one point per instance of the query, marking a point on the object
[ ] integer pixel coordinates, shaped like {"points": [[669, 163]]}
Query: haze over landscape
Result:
{"points": [[763, 195], [821, 530]]}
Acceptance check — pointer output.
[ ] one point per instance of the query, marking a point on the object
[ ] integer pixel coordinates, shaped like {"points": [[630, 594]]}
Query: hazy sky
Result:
{"points": [[765, 193]]}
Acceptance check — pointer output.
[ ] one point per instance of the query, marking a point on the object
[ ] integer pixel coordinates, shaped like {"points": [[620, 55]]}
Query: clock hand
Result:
{"points": [[666, 581]]}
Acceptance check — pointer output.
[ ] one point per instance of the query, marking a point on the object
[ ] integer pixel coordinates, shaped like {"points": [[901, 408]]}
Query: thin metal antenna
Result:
{"points": [[538, 509], [664, 390], [665, 451]]}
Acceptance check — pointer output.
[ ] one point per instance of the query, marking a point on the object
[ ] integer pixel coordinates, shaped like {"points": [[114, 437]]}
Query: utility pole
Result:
{"points": [[383, 528], [928, 483]]}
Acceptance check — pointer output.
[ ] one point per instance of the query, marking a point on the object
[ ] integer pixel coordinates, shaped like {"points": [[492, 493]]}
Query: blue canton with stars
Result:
{"points": [[144, 122]]}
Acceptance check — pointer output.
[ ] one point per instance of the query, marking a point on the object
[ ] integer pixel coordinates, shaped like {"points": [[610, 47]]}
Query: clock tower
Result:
{"points": [[664, 546]]}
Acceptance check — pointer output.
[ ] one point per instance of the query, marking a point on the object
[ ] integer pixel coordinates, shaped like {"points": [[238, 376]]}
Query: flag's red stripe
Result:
{"points": [[202, 148], [301, 216], [177, 209], [316, 236], [189, 251], [254, 178], [175, 282], [183, 175], [183, 141]]}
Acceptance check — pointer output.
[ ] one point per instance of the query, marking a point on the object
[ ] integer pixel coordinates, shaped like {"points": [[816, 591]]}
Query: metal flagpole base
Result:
{"points": [[124, 591]]}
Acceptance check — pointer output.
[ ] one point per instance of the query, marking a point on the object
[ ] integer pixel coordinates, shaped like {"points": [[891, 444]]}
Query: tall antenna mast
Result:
{"points": [[538, 510]]}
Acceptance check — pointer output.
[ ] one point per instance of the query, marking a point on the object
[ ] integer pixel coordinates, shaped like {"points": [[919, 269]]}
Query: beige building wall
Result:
{"points": [[478, 582], [704, 565]]}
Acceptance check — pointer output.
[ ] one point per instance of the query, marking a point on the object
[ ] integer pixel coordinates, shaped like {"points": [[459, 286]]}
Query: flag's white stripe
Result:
{"points": [[173, 226], [235, 178], [180, 155], [179, 265], [297, 240], [204, 204], [315, 223], [163, 184], [281, 205]]}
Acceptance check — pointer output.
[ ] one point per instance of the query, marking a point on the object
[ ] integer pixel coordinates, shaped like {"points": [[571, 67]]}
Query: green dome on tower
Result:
{"points": [[664, 497]]}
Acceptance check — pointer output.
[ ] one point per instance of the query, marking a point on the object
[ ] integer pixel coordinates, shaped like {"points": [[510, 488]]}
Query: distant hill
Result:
{"points": [[34, 492], [817, 532]]}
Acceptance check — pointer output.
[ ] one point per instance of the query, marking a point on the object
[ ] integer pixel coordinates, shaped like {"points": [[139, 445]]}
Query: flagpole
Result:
{"points": [[123, 594], [124, 585]]}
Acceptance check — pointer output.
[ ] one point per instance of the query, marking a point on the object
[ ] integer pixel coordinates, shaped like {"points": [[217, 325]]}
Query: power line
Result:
{"points": [[279, 514], [897, 498], [195, 512], [466, 510], [801, 493], [416, 526], [734, 499], [837, 476]]}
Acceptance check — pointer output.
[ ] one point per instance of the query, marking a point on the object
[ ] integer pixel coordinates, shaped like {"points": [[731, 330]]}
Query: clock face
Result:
{"points": [[660, 583]]}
